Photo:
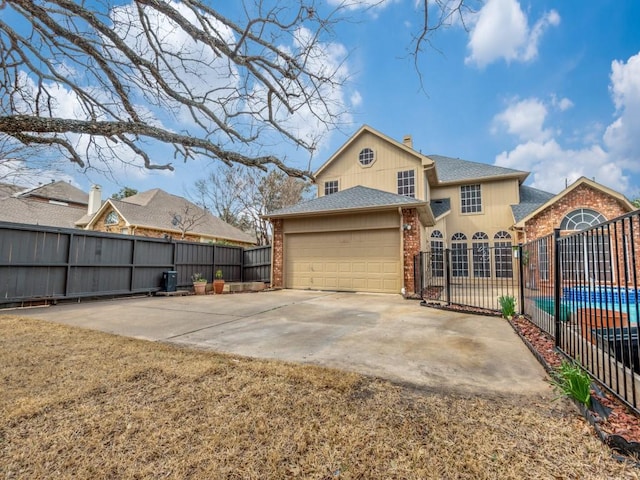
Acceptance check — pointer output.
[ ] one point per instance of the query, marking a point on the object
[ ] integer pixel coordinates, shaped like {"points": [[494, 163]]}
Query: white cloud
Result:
{"points": [[356, 99], [552, 166], [621, 136], [525, 119], [501, 31]]}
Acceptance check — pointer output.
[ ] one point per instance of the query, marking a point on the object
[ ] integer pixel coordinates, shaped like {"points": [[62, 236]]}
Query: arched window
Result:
{"points": [[459, 255], [111, 219], [581, 219], [437, 254], [503, 257], [481, 255]]}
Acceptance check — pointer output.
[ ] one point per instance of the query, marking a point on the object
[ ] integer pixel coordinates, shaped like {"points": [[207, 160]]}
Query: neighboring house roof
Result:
{"points": [[454, 170], [155, 209], [57, 191], [367, 129], [9, 189], [440, 206], [581, 181], [354, 198], [22, 210], [530, 199]]}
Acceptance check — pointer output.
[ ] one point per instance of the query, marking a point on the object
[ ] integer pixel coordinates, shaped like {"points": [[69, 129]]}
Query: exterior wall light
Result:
{"points": [[406, 226]]}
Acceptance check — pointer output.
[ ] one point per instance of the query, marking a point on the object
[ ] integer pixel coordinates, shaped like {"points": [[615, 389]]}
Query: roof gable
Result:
{"points": [[57, 191], [581, 181], [155, 209], [363, 130]]}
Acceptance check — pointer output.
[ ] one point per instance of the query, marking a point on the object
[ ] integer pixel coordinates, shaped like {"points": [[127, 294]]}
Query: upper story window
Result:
{"points": [[111, 219], [366, 157], [407, 183], [330, 187], [581, 219], [470, 199]]}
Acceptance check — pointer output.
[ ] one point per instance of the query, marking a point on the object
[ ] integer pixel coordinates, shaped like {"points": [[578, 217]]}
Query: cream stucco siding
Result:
{"points": [[382, 174]]}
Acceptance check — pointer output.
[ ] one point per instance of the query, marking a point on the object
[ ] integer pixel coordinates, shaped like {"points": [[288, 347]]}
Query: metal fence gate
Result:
{"points": [[474, 277]]}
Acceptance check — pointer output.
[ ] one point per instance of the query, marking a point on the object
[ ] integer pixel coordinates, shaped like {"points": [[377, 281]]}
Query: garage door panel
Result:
{"points": [[353, 261]]}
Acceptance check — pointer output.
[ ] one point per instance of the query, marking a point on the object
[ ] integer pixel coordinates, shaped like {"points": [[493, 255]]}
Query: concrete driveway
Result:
{"points": [[381, 335]]}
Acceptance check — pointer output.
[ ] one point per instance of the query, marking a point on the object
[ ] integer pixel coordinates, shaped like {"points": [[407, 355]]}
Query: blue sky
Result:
{"points": [[550, 87]]}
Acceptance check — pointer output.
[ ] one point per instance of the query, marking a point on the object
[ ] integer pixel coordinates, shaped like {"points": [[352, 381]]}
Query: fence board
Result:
{"points": [[39, 263]]}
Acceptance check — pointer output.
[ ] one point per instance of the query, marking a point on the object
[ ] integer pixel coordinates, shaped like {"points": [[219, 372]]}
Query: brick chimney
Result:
{"points": [[408, 141], [95, 199]]}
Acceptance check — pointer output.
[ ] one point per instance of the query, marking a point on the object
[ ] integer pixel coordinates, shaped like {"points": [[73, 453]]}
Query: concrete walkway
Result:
{"points": [[381, 335]]}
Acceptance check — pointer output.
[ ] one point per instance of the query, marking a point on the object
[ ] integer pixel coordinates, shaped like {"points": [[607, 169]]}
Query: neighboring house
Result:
{"points": [[380, 202], [55, 204], [156, 213]]}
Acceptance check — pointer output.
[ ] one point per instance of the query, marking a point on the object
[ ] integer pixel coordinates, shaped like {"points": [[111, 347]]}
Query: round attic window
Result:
{"points": [[366, 157]]}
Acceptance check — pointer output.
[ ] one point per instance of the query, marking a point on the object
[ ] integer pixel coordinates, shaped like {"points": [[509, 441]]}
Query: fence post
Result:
{"points": [[556, 284], [521, 278], [447, 254]]}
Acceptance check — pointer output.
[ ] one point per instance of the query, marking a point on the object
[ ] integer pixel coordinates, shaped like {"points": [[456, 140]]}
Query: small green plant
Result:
{"points": [[198, 278], [507, 305], [572, 381], [219, 275]]}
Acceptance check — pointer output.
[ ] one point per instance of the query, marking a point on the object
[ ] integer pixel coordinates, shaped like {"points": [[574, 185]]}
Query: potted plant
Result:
{"points": [[199, 283], [218, 282]]}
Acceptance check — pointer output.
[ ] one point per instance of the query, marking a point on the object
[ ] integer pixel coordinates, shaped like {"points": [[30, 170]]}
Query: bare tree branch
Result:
{"points": [[178, 73]]}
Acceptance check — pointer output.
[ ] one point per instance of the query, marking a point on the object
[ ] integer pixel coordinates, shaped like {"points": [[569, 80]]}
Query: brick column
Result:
{"points": [[277, 262], [410, 247]]}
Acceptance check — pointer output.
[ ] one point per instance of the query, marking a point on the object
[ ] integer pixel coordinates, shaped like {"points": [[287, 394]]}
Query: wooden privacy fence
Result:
{"points": [[39, 263]]}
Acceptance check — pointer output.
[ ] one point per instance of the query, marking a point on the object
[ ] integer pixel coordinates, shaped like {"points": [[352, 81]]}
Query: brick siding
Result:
{"points": [[410, 246], [277, 263]]}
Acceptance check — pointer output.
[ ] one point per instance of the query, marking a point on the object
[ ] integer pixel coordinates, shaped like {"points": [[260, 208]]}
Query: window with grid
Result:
{"points": [[366, 157], [330, 187], [581, 219], [459, 255], [481, 255], [471, 198], [437, 254], [503, 257], [407, 183]]}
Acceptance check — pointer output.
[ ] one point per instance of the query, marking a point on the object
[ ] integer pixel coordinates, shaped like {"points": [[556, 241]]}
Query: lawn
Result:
{"points": [[81, 404]]}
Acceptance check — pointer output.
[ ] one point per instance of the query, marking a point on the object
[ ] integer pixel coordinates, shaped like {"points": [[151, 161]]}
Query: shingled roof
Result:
{"points": [[440, 206], [530, 199], [457, 170], [353, 198], [156, 209], [23, 210], [57, 191]]}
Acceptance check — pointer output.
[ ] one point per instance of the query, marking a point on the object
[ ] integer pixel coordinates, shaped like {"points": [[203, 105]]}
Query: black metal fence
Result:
{"points": [[581, 289], [474, 277], [38, 263]]}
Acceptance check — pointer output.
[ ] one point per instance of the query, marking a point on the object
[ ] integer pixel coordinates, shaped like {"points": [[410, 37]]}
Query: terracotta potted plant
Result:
{"points": [[218, 282], [199, 283]]}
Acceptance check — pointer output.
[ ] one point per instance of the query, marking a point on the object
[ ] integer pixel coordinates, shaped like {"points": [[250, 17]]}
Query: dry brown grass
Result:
{"points": [[82, 404]]}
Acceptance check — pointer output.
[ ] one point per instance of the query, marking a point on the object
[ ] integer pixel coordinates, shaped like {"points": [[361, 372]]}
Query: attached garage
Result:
{"points": [[362, 260], [356, 240]]}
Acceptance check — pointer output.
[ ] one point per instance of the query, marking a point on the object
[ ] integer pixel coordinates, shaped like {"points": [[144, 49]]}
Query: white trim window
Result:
{"points": [[111, 218], [366, 157], [437, 254], [407, 183], [471, 198], [481, 255], [330, 187], [459, 255], [503, 254]]}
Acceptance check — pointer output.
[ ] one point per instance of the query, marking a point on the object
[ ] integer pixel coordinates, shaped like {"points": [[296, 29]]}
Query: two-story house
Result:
{"points": [[380, 202]]}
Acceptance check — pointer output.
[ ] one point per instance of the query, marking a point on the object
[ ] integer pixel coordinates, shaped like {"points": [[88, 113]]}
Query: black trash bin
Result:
{"points": [[170, 281]]}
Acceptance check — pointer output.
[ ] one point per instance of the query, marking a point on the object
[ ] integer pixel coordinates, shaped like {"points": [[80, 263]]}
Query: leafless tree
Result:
{"points": [[240, 196], [187, 219], [103, 80], [98, 79]]}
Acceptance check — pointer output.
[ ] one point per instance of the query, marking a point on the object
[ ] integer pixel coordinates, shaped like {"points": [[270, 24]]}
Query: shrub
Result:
{"points": [[507, 305], [572, 381]]}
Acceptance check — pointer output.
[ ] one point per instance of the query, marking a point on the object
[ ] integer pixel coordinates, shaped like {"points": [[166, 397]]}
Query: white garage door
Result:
{"points": [[358, 261]]}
